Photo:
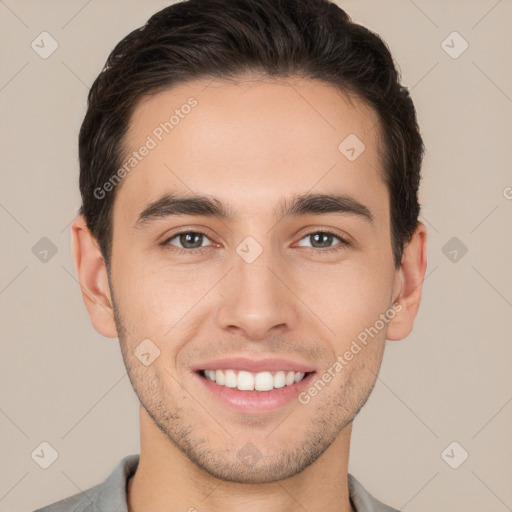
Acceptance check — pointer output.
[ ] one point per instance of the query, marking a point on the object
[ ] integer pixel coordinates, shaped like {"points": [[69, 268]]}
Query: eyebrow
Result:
{"points": [[173, 204]]}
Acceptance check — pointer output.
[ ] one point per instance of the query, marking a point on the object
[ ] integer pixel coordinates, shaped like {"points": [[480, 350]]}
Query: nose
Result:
{"points": [[257, 299]]}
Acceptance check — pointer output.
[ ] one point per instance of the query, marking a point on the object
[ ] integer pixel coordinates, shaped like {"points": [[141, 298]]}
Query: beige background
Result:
{"points": [[63, 383]]}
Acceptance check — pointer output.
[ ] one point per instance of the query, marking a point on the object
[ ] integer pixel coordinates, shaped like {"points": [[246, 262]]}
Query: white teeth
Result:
{"points": [[279, 380], [230, 379], [219, 377], [264, 381], [290, 378], [247, 381]]}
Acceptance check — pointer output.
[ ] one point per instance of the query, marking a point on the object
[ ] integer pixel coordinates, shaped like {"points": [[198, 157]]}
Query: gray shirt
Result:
{"points": [[110, 495]]}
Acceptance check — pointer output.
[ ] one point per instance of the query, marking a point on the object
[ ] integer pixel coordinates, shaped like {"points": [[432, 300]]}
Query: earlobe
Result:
{"points": [[411, 274], [93, 278]]}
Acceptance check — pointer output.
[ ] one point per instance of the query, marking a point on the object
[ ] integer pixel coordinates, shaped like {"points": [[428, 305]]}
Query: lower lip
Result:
{"points": [[256, 402]]}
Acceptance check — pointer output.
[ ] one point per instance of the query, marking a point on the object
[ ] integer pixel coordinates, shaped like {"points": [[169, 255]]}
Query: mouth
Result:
{"points": [[253, 381], [254, 393]]}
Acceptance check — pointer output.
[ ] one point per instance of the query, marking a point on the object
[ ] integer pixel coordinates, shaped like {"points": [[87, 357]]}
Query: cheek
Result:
{"points": [[152, 299], [348, 298], [140, 297]]}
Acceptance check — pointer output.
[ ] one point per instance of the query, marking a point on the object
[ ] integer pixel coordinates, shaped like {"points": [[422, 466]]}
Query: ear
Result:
{"points": [[93, 278], [411, 275]]}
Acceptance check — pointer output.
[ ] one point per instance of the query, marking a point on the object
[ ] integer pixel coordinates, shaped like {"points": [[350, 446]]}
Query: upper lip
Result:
{"points": [[254, 365]]}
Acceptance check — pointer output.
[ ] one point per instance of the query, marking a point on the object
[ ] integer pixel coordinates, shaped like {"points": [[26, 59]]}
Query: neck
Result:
{"points": [[166, 477]]}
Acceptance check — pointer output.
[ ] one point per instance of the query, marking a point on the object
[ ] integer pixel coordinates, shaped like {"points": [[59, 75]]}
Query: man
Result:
{"points": [[249, 231]]}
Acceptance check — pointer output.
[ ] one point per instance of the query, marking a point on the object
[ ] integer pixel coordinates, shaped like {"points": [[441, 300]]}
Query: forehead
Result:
{"points": [[250, 142]]}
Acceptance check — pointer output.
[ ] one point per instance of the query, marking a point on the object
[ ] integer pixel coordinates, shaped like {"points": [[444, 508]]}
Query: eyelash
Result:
{"points": [[343, 243]]}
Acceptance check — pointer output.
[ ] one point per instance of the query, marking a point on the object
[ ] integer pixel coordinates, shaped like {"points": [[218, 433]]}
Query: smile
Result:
{"points": [[252, 393]]}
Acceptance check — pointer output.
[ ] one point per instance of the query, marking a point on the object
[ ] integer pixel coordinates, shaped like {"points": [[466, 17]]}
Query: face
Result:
{"points": [[257, 270]]}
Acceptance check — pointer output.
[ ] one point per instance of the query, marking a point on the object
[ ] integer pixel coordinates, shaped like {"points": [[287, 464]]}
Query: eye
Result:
{"points": [[323, 240], [189, 241]]}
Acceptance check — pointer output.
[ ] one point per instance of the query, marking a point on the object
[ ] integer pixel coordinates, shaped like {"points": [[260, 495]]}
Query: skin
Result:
{"points": [[249, 144]]}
